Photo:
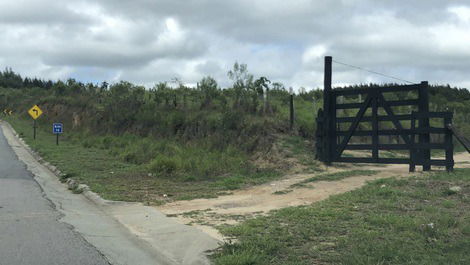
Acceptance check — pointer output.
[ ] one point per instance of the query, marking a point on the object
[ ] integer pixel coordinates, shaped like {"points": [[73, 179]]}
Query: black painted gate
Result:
{"points": [[412, 130]]}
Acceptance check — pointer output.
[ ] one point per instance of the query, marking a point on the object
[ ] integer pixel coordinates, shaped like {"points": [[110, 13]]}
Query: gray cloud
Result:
{"points": [[150, 41], [30, 12]]}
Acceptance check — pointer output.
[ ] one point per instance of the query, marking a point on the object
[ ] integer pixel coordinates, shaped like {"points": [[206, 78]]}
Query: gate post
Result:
{"points": [[424, 138], [413, 150], [329, 126], [320, 137], [449, 146]]}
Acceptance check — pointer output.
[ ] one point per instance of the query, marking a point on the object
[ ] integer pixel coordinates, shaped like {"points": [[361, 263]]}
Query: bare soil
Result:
{"points": [[207, 214]]}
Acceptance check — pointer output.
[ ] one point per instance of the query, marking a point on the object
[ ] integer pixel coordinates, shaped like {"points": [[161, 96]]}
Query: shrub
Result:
{"points": [[163, 166]]}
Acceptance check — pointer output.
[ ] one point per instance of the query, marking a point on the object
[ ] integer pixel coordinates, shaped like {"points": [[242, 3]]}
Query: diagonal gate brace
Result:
{"points": [[353, 126]]}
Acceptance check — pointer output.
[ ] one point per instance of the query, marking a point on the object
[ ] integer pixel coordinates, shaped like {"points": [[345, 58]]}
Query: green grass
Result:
{"points": [[336, 176], [418, 220], [282, 192], [302, 150], [132, 168]]}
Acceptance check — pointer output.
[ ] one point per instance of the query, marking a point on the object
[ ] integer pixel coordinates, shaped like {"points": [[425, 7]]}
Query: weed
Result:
{"points": [[388, 221], [335, 176], [282, 192]]}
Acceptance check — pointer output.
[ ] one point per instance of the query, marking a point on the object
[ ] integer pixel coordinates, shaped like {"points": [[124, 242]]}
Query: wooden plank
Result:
{"points": [[379, 118], [386, 132], [379, 147], [372, 160], [443, 114], [462, 139], [395, 146], [391, 103], [375, 127], [439, 162], [353, 126], [350, 92], [434, 162]]}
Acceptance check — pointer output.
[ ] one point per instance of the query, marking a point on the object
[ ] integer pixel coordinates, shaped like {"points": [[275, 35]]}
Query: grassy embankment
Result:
{"points": [[154, 169], [182, 142], [98, 162], [417, 220]]}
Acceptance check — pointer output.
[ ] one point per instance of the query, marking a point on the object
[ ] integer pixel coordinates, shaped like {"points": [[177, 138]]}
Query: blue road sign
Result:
{"points": [[58, 128]]}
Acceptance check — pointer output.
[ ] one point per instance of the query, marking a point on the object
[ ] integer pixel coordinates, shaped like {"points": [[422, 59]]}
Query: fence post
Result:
{"points": [[412, 139], [423, 107], [291, 111], [329, 125], [448, 144]]}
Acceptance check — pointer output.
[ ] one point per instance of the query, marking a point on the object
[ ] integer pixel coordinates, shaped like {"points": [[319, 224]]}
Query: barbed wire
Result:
{"points": [[373, 72]]}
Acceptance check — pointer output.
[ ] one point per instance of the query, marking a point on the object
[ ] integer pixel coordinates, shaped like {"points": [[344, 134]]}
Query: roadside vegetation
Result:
{"points": [[416, 220], [177, 142], [169, 142]]}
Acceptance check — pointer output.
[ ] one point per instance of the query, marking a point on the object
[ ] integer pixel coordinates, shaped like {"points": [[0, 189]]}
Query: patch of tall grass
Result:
{"points": [[194, 160]]}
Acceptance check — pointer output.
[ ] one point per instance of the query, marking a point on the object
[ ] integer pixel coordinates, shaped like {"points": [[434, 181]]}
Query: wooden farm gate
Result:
{"points": [[414, 138]]}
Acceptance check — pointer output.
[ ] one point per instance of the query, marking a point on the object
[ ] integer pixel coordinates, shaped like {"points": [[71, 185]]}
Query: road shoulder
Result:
{"points": [[126, 233]]}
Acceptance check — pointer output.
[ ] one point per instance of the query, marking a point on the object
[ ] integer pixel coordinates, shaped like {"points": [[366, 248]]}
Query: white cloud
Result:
{"points": [[314, 54], [462, 13]]}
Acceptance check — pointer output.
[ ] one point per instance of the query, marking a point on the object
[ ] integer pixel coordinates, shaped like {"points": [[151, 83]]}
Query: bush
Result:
{"points": [[163, 166]]}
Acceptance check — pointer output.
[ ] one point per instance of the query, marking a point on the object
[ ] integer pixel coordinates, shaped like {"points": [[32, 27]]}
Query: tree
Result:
{"points": [[74, 86], [262, 87], [209, 88], [10, 79], [59, 88], [242, 81], [104, 86], [162, 92], [123, 103], [278, 86]]}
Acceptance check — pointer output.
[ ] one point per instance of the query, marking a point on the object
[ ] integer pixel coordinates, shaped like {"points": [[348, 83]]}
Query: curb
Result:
{"points": [[148, 235], [87, 193]]}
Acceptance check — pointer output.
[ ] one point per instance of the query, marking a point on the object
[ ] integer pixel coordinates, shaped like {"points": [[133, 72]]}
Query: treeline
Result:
{"points": [[251, 106], [248, 114], [10, 79]]}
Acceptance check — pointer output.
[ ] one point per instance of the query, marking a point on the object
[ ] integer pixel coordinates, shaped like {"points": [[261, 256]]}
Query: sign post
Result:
{"points": [[57, 128], [35, 112]]}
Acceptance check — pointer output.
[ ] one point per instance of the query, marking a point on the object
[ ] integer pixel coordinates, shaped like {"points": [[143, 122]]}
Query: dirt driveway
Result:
{"points": [[206, 214]]}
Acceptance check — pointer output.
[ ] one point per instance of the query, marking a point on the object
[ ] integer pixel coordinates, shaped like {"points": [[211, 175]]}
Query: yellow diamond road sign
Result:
{"points": [[35, 112]]}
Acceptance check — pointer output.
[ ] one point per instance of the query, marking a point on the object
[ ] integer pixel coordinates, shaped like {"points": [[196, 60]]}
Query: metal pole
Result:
{"points": [[34, 130], [57, 139]]}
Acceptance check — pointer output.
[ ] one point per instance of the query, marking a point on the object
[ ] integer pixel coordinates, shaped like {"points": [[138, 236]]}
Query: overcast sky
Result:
{"points": [[149, 41]]}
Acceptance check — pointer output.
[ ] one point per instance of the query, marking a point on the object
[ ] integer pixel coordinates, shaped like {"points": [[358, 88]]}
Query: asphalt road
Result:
{"points": [[30, 230]]}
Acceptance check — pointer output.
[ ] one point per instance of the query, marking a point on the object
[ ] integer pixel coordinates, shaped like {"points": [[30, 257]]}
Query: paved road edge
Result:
{"points": [[152, 235]]}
